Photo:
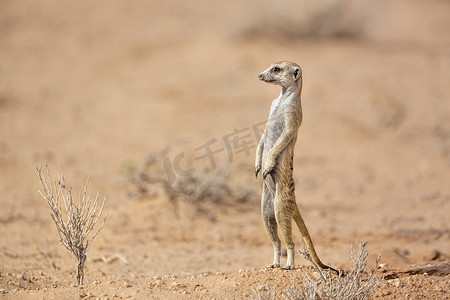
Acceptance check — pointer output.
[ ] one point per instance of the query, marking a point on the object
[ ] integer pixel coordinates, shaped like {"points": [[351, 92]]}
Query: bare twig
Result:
{"points": [[266, 292], [74, 219], [350, 286], [357, 284]]}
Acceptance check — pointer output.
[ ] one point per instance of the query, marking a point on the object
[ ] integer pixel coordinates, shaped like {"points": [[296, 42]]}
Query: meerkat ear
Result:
{"points": [[297, 74]]}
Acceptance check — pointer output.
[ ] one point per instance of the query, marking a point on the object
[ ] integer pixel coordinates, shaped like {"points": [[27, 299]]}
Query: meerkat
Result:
{"points": [[275, 157]]}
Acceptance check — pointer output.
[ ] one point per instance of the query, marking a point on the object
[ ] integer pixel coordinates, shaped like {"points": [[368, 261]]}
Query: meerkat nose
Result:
{"points": [[260, 76]]}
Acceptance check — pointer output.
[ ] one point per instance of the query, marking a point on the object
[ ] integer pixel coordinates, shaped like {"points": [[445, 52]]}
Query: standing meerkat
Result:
{"points": [[275, 157]]}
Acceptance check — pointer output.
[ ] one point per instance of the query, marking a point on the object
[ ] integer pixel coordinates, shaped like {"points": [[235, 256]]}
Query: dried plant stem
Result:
{"points": [[74, 219], [350, 286]]}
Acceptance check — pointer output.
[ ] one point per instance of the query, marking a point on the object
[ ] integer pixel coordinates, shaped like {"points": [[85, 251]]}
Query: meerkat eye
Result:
{"points": [[276, 70]]}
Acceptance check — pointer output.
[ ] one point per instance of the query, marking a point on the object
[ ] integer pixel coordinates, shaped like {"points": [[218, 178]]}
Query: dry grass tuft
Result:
{"points": [[357, 284]]}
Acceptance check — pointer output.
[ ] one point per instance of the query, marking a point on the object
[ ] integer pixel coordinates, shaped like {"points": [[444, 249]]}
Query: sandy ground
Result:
{"points": [[97, 86]]}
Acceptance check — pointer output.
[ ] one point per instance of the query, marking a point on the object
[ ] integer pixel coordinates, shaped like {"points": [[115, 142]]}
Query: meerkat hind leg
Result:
{"points": [[271, 227], [284, 211], [270, 223], [286, 234]]}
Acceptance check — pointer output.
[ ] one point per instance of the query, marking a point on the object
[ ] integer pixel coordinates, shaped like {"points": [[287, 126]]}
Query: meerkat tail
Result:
{"points": [[307, 239]]}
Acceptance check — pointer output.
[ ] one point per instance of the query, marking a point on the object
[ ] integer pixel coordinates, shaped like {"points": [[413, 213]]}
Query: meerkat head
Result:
{"points": [[285, 73]]}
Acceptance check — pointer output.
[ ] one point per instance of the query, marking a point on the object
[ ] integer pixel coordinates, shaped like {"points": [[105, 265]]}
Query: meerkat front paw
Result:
{"points": [[270, 165], [257, 169]]}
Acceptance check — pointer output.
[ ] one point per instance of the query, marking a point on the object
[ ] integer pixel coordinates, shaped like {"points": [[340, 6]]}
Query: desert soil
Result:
{"points": [[97, 86]]}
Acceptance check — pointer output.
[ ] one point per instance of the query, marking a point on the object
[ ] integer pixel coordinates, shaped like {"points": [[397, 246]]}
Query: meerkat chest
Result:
{"points": [[282, 112], [276, 121]]}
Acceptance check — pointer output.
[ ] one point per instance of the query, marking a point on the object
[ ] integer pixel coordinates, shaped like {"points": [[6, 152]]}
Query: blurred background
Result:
{"points": [[97, 86]]}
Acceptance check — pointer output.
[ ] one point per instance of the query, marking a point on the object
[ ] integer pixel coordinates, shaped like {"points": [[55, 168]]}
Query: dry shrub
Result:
{"points": [[310, 19], [74, 219], [198, 188], [267, 292], [356, 284]]}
